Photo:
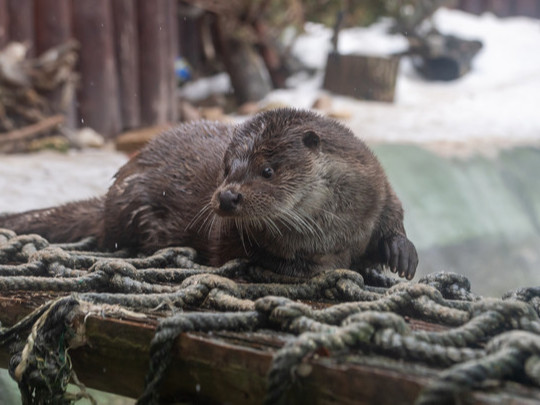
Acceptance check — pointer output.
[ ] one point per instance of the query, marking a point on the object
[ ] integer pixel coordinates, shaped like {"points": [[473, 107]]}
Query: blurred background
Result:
{"points": [[447, 93]]}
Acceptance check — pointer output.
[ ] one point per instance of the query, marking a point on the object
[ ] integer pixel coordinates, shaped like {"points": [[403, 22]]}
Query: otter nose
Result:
{"points": [[229, 200]]}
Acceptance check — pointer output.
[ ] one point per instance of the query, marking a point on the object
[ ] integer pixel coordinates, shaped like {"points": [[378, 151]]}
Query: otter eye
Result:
{"points": [[267, 172], [311, 140]]}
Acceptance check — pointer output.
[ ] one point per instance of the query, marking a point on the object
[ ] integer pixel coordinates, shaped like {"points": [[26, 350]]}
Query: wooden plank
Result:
{"points": [[528, 8], [189, 27], [131, 142], [173, 52], [214, 368], [501, 8], [52, 23], [153, 61], [31, 131], [4, 23], [473, 6], [52, 27], [21, 22], [126, 43], [99, 106], [232, 367]]}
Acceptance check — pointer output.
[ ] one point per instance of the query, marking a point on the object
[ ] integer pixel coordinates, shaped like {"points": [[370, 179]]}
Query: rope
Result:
{"points": [[340, 311], [42, 368], [170, 328]]}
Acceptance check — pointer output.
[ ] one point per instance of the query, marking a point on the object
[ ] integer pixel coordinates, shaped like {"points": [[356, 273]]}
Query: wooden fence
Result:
{"points": [[128, 49], [127, 55], [502, 8]]}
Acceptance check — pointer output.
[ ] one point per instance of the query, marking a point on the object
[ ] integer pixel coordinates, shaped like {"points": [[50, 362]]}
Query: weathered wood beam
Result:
{"points": [[127, 55], [52, 27], [21, 22], [52, 23], [153, 61], [172, 54], [99, 106], [30, 131], [232, 367], [4, 23], [529, 8], [132, 141], [472, 6], [189, 27], [502, 8]]}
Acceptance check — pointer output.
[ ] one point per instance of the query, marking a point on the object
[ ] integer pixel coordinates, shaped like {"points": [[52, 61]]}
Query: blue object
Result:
{"points": [[182, 69]]}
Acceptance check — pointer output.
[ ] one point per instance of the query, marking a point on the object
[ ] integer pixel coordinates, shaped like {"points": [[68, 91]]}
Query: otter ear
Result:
{"points": [[311, 140]]}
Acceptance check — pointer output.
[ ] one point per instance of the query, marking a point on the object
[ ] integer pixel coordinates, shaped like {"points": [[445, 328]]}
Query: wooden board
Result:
{"points": [[529, 8], [501, 8], [99, 104], [126, 41], [4, 23], [53, 27], [21, 22], [154, 62], [232, 367]]}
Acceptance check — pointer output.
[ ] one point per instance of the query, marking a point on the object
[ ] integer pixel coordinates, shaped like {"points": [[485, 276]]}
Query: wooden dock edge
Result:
{"points": [[215, 368]]}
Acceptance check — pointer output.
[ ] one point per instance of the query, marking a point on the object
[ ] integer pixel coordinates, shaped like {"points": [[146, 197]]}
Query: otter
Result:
{"points": [[290, 190]]}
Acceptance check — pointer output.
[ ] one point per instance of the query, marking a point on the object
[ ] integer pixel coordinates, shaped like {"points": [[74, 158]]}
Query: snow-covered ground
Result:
{"points": [[498, 102], [49, 178]]}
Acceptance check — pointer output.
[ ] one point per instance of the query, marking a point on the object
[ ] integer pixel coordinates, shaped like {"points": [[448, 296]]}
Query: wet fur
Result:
{"points": [[327, 205]]}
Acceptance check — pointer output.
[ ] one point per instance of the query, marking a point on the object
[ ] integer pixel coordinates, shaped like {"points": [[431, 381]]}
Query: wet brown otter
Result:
{"points": [[289, 189]]}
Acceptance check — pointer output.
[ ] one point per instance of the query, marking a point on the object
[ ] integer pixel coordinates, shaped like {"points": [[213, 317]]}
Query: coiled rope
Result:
{"points": [[495, 339]]}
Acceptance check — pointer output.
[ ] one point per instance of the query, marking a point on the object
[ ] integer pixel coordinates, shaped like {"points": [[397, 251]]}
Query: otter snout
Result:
{"points": [[229, 200]]}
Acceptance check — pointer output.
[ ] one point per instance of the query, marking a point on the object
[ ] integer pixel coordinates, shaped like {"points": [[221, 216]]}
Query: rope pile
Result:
{"points": [[487, 339]]}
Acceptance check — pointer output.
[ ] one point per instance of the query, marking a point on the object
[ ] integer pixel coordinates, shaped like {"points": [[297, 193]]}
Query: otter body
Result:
{"points": [[290, 190]]}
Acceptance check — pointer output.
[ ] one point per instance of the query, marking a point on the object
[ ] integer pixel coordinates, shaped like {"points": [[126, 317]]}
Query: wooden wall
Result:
{"points": [[128, 49], [126, 61], [502, 8]]}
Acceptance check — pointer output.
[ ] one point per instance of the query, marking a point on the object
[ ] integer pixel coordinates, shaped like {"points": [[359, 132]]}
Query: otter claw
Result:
{"points": [[400, 255]]}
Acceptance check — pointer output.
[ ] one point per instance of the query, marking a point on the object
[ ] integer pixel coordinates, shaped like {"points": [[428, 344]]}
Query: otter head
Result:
{"points": [[267, 168]]}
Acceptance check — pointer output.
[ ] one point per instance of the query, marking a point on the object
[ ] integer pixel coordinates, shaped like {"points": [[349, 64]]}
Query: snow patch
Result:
{"points": [[497, 100]]}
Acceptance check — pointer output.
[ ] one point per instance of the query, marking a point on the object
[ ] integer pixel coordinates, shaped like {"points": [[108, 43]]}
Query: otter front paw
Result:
{"points": [[400, 255]]}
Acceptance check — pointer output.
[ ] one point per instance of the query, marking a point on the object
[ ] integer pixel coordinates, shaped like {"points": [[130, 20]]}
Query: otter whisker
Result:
{"points": [[249, 231], [208, 213], [317, 230], [210, 223], [290, 222], [285, 222], [305, 224], [272, 226], [240, 226], [300, 224], [201, 212], [248, 234], [334, 216], [243, 229]]}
